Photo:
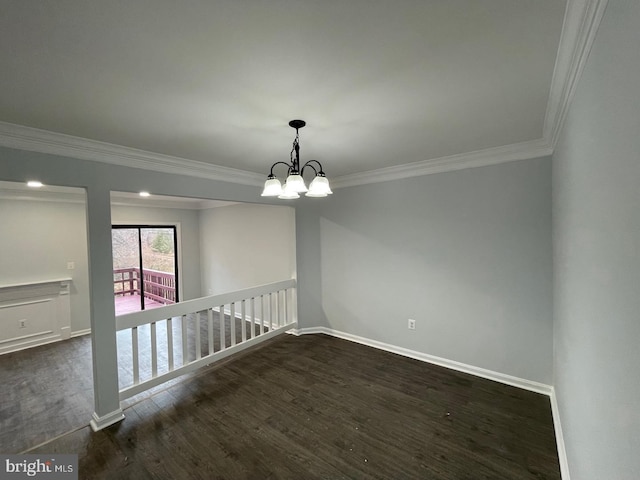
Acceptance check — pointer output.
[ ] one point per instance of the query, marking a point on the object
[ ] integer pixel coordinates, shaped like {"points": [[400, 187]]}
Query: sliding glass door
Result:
{"points": [[145, 267]]}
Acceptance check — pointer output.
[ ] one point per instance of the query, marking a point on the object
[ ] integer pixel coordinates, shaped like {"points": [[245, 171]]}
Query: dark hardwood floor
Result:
{"points": [[47, 391], [320, 407]]}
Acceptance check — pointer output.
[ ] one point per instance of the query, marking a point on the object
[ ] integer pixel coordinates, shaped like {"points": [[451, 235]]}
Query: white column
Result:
{"points": [[103, 324]]}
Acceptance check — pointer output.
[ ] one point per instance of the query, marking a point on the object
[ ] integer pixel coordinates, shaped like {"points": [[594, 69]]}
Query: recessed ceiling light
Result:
{"points": [[145, 194], [34, 184]]}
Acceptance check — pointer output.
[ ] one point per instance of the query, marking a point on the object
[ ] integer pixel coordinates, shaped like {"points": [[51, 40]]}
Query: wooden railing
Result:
{"points": [[158, 286], [160, 344], [126, 281]]}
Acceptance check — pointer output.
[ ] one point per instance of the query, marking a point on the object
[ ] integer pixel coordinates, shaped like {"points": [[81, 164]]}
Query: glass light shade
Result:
{"points": [[272, 188], [288, 192], [295, 183], [319, 187], [289, 195]]}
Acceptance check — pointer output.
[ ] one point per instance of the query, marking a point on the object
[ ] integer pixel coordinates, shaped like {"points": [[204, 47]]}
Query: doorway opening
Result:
{"points": [[145, 267], [44, 327]]}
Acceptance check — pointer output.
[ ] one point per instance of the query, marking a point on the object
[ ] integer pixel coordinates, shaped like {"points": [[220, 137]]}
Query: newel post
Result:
{"points": [[103, 325]]}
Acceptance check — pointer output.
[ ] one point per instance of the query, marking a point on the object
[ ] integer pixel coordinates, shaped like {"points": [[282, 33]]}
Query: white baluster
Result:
{"points": [[243, 322], [222, 334], [170, 342], [134, 353], [252, 306], [286, 307], [262, 318], [154, 351], [185, 345], [232, 319], [210, 329], [198, 346]]}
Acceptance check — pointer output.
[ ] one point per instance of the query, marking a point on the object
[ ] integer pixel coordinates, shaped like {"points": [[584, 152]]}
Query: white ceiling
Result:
{"points": [[381, 83]]}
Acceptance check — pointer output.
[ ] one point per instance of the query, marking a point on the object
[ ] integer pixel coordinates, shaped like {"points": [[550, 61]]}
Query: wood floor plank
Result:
{"points": [[320, 407]]}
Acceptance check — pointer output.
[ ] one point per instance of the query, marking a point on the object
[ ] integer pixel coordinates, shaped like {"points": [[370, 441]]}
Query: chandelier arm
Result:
{"points": [[283, 163], [310, 166], [321, 172]]}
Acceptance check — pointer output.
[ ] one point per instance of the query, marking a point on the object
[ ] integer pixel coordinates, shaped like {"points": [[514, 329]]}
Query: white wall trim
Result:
{"points": [[443, 362], [581, 22], [81, 333], [43, 305], [480, 158], [557, 425], [44, 141]]}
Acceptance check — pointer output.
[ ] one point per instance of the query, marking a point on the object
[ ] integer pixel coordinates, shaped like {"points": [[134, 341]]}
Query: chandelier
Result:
{"points": [[294, 185]]}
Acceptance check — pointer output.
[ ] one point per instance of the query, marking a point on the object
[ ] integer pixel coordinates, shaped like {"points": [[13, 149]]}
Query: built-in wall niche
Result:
{"points": [[44, 285]]}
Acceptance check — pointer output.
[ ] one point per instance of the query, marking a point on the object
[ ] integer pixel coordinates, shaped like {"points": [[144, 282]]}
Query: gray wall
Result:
{"points": [[596, 239], [466, 254], [38, 239], [258, 258], [189, 236], [246, 245], [99, 179]]}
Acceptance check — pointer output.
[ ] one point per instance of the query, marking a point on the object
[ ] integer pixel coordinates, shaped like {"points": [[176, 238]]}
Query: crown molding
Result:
{"points": [[480, 158], [44, 141], [581, 21]]}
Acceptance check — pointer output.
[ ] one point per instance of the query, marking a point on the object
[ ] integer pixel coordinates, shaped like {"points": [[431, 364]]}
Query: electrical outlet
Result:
{"points": [[22, 323], [71, 265], [412, 324]]}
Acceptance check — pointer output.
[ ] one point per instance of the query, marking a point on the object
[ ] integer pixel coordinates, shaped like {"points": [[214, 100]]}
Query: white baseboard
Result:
{"points": [[461, 367], [30, 342], [80, 333], [443, 362], [42, 340], [562, 453], [65, 333]]}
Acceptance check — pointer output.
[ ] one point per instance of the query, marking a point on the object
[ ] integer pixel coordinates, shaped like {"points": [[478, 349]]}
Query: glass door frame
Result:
{"points": [[139, 227]]}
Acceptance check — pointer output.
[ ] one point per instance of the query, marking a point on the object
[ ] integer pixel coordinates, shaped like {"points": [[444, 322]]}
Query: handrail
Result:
{"points": [[169, 341], [155, 272], [125, 269], [153, 282], [158, 272], [135, 319]]}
